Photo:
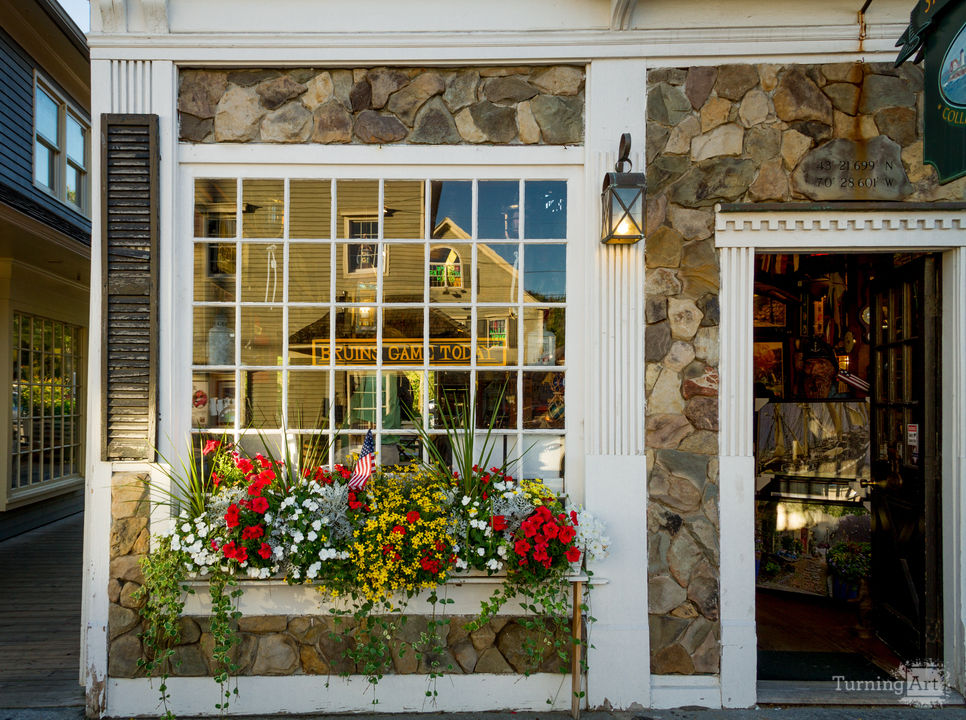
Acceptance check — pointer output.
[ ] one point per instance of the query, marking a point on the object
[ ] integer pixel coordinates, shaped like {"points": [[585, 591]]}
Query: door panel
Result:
{"points": [[905, 583]]}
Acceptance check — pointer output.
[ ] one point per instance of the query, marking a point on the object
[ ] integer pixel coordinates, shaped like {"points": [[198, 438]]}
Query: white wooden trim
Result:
{"points": [[308, 694], [738, 236], [675, 691]]}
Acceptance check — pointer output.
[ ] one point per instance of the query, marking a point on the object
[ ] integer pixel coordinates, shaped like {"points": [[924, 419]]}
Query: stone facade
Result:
{"points": [[304, 645], [738, 133], [429, 106]]}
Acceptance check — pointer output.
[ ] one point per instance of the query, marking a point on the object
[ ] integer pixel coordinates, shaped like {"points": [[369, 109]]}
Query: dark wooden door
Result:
{"points": [[905, 584]]}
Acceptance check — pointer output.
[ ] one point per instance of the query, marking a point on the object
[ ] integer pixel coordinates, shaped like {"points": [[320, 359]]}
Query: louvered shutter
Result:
{"points": [[129, 222]]}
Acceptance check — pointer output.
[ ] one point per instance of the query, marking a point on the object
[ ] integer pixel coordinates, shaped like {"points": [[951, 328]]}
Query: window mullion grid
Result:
{"points": [[382, 254], [239, 219], [333, 277], [521, 224], [427, 245], [288, 437]]}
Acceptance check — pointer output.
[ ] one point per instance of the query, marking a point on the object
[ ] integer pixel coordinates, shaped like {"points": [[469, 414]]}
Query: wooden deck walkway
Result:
{"points": [[40, 616]]}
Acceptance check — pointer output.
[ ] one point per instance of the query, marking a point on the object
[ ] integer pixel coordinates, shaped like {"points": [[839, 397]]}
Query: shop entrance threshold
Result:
{"points": [[783, 692]]}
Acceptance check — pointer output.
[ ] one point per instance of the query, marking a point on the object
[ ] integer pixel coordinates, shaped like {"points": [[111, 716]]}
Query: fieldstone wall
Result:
{"points": [[737, 133], [302, 645], [130, 538], [435, 106]]}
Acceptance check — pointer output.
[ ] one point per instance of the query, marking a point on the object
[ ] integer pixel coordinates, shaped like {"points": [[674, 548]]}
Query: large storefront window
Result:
{"points": [[45, 445], [331, 307]]}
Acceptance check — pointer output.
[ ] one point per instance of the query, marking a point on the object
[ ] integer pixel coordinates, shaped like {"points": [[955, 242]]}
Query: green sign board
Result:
{"points": [[937, 29]]}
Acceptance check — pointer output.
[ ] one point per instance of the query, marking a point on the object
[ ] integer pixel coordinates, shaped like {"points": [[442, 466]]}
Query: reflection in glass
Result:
{"points": [[400, 399], [403, 203], [216, 204], [310, 203], [44, 165], [544, 332], [309, 272], [355, 273], [449, 397], [402, 281], [263, 203], [356, 399], [213, 399], [73, 183], [214, 272], [498, 211], [261, 336], [308, 335], [496, 400], [448, 323], [545, 460], [76, 149], [543, 400], [450, 270], [46, 117], [451, 204], [499, 265], [546, 209], [344, 447], [402, 336], [496, 336], [214, 336], [262, 276], [545, 274], [308, 399], [400, 450], [261, 442], [358, 208], [261, 395]]}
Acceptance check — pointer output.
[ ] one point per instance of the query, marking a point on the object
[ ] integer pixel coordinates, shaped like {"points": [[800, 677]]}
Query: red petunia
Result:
{"points": [[260, 505], [266, 476], [498, 522], [253, 532], [353, 503], [399, 529], [215, 478], [572, 554], [550, 530], [210, 447], [244, 465], [412, 516], [386, 549], [241, 555], [231, 516], [229, 550], [566, 534], [265, 550], [573, 517], [521, 547]]}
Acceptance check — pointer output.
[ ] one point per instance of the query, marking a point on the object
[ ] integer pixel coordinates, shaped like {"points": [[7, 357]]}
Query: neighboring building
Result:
{"points": [[354, 208], [45, 229]]}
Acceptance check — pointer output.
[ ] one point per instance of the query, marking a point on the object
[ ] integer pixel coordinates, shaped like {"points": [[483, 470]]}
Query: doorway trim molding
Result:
{"points": [[739, 233]]}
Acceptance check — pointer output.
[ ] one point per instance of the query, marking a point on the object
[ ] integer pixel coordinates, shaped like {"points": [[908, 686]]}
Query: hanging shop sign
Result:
{"points": [[937, 31]]}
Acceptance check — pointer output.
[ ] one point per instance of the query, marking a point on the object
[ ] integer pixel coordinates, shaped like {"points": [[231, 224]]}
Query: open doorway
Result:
{"points": [[846, 352]]}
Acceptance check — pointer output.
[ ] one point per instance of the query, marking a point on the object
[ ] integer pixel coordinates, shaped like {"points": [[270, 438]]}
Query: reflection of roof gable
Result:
{"points": [[503, 264], [447, 229]]}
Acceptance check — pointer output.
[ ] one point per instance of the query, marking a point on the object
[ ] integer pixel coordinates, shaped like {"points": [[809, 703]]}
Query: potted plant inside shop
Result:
{"points": [[849, 563]]}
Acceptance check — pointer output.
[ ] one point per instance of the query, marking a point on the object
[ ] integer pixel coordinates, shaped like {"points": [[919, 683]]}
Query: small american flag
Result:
{"points": [[364, 467]]}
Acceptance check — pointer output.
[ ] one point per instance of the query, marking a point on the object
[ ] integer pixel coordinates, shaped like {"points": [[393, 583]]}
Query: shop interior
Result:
{"points": [[813, 537]]}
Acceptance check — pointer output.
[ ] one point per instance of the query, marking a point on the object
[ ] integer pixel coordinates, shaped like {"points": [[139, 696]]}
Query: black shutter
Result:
{"points": [[129, 222]]}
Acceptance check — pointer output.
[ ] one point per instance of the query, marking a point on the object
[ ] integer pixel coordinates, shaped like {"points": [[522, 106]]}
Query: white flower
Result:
{"points": [[494, 564], [480, 551], [473, 512], [312, 535], [317, 525], [461, 564], [185, 527], [501, 550]]}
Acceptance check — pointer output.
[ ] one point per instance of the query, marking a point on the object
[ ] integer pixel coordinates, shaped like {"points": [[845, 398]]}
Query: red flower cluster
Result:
{"points": [[546, 538]]}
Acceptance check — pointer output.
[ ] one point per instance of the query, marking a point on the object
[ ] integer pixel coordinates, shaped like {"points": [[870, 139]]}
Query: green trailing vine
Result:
{"points": [[224, 591]]}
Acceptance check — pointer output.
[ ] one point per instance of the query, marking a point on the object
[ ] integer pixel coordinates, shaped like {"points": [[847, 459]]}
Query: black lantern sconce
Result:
{"points": [[622, 201]]}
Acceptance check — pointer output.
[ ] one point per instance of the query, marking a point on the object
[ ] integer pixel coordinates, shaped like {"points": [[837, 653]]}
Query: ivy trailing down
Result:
{"points": [[373, 544]]}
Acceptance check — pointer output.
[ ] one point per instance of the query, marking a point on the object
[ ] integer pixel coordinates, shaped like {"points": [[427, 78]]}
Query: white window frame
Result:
{"points": [[65, 109], [397, 163]]}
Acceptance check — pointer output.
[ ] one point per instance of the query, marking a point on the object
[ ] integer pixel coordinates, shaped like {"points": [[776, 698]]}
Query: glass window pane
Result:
{"points": [[400, 399], [450, 330], [544, 331], [76, 141], [403, 204], [449, 397], [545, 460], [262, 398], [214, 272], [402, 336], [309, 272], [356, 399], [496, 336], [545, 274], [73, 182], [543, 400], [358, 208], [214, 336], [345, 446], [47, 117], [546, 209], [311, 209], [262, 276], [44, 171], [215, 207], [308, 336], [450, 272], [308, 399], [355, 268], [213, 399], [263, 208], [498, 211], [496, 400], [452, 208], [402, 279], [499, 276], [261, 336]]}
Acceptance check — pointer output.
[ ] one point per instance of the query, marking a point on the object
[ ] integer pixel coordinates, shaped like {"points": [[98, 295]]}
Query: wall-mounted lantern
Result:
{"points": [[622, 200]]}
